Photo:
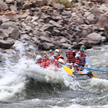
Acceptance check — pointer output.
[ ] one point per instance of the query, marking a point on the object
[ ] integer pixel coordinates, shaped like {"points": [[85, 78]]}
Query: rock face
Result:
{"points": [[40, 25]]}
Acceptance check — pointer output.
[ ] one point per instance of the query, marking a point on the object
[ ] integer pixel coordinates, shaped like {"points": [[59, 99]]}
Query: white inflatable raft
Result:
{"points": [[47, 75], [43, 75]]}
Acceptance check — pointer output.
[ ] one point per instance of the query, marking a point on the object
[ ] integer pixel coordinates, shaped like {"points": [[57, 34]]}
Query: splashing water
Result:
{"points": [[91, 93]]}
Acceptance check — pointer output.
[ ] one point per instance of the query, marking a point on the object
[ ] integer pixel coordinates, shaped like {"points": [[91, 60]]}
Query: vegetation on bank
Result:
{"points": [[66, 3]]}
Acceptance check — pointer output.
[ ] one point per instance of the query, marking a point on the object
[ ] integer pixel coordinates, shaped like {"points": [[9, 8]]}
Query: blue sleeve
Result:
{"points": [[86, 60], [76, 55]]}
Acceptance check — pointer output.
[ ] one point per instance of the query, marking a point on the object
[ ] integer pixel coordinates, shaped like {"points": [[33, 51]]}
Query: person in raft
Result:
{"points": [[54, 58], [70, 57], [38, 60], [47, 59], [45, 62], [58, 58], [81, 58], [57, 51]]}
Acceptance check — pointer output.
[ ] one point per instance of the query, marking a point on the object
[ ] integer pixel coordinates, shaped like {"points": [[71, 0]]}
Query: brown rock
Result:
{"points": [[3, 6], [9, 1], [39, 3], [27, 5], [47, 27], [10, 13], [3, 34], [6, 44], [95, 38], [11, 30], [58, 6]]}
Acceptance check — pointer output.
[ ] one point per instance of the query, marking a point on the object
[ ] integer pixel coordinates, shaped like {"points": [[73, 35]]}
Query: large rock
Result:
{"points": [[10, 1], [47, 27], [3, 6], [65, 45], [58, 6], [37, 34], [55, 24], [95, 38], [6, 44], [11, 30], [46, 46], [39, 3], [44, 39], [3, 34], [103, 20], [85, 43], [27, 5]]}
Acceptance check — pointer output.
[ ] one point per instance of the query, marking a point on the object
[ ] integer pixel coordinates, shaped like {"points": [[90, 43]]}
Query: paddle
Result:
{"points": [[94, 69], [2, 61], [5, 62], [89, 69], [67, 69]]}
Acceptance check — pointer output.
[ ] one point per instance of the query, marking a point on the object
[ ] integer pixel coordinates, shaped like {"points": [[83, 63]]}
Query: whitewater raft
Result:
{"points": [[43, 75], [48, 75]]}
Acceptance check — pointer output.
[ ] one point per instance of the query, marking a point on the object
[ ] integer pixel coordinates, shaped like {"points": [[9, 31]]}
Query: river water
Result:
{"points": [[16, 91]]}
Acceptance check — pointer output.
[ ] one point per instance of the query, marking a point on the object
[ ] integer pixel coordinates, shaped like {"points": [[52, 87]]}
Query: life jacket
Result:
{"points": [[45, 63], [38, 61], [55, 63], [70, 56], [82, 60]]}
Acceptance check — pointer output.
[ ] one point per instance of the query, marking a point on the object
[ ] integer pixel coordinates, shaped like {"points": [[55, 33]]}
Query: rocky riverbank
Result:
{"points": [[41, 25]]}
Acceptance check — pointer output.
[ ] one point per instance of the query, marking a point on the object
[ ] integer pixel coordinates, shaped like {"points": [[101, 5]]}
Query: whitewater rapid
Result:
{"points": [[18, 91]]}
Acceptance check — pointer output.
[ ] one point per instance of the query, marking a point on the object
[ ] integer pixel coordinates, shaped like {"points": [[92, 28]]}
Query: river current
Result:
{"points": [[16, 91]]}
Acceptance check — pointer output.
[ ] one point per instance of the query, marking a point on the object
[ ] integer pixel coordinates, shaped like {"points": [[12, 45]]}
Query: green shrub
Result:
{"points": [[66, 3]]}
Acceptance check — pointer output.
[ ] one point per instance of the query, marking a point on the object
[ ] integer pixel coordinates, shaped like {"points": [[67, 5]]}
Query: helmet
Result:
{"points": [[38, 57], [57, 50], [81, 49], [50, 50], [69, 47], [55, 54]]}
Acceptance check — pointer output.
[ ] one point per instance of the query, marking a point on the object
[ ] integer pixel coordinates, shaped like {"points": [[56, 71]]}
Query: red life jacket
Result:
{"points": [[82, 56], [70, 56], [45, 63], [38, 61], [55, 63]]}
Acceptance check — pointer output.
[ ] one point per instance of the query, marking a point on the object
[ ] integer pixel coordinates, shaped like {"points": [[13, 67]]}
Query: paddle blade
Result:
{"points": [[68, 70], [94, 75]]}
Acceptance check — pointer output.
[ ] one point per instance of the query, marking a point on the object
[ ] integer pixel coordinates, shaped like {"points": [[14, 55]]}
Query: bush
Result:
{"points": [[66, 3]]}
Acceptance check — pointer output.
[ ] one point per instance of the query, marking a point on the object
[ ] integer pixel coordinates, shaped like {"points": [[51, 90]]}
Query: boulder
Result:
{"points": [[9, 13], [35, 40], [6, 44], [3, 6], [66, 45], [11, 30], [44, 39], [58, 6], [27, 5], [55, 24], [85, 43], [95, 38], [10, 1], [3, 34], [103, 20], [39, 3], [47, 27], [46, 46], [25, 37]]}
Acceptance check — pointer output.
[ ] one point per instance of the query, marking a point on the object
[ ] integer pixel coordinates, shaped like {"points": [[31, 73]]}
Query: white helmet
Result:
{"points": [[38, 57], [57, 50]]}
